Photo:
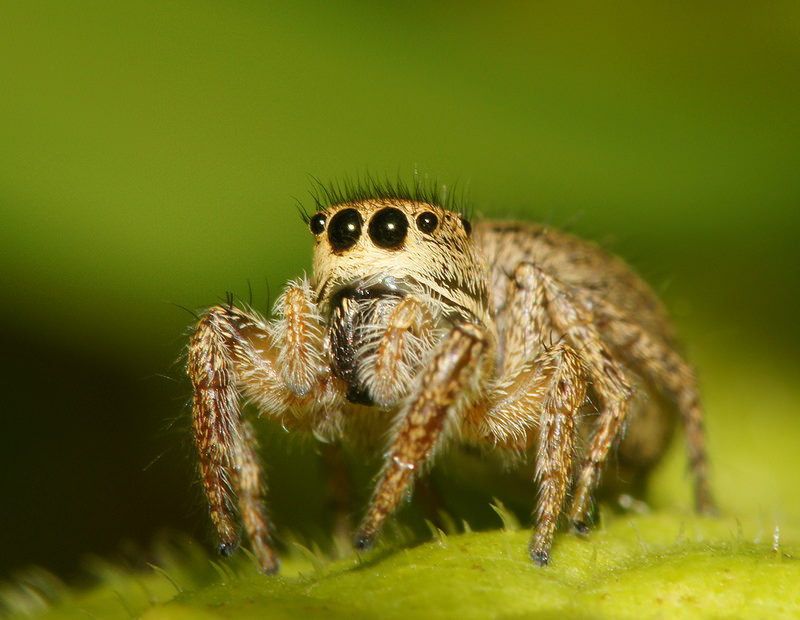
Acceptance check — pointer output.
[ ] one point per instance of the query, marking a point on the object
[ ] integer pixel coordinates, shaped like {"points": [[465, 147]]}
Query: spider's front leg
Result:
{"points": [[445, 385], [233, 353]]}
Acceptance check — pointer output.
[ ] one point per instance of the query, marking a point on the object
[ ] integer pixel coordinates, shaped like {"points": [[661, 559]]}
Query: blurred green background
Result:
{"points": [[151, 154]]}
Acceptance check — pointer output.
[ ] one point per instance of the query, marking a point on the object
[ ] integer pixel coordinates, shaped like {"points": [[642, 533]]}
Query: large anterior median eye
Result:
{"points": [[344, 229], [388, 228]]}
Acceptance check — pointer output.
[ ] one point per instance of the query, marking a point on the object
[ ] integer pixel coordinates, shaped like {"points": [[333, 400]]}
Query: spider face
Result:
{"points": [[418, 328], [403, 247], [371, 255]]}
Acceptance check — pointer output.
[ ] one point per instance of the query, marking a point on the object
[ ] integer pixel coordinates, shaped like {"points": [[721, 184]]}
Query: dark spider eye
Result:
{"points": [[344, 229], [388, 228], [467, 226], [427, 222], [317, 223]]}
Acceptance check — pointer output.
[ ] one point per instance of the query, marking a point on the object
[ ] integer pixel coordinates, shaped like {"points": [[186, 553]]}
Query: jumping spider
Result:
{"points": [[417, 328]]}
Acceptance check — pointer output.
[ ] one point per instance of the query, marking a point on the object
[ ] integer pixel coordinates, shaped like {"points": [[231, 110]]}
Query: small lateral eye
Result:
{"points": [[427, 222], [344, 229], [317, 223], [467, 226], [388, 228]]}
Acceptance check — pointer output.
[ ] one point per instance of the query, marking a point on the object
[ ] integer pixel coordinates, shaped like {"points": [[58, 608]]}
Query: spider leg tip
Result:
{"points": [[580, 527], [540, 557], [228, 547], [271, 567], [364, 541]]}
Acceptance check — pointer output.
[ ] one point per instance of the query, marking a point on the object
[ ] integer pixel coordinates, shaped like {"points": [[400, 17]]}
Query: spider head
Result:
{"points": [[404, 246]]}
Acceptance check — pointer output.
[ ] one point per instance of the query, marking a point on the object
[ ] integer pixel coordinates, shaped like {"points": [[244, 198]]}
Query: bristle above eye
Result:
{"points": [[369, 187]]}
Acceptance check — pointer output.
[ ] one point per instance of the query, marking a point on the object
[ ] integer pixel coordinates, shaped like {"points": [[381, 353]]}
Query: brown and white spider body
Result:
{"points": [[417, 328]]}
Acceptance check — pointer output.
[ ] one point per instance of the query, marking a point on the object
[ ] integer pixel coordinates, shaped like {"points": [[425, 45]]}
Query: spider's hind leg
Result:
{"points": [[667, 371]]}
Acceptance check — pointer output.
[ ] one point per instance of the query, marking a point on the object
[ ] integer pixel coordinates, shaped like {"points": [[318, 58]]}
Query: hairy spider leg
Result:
{"points": [[541, 389], [668, 371], [224, 441], [444, 386], [571, 317], [233, 354]]}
